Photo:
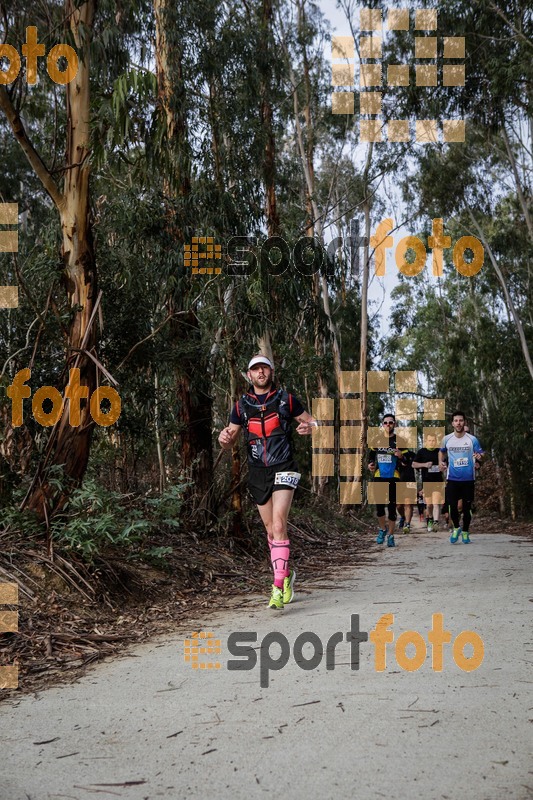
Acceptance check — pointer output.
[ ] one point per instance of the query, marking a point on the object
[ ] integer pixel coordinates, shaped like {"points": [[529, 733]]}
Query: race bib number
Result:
{"points": [[384, 459], [461, 462], [434, 468], [288, 479]]}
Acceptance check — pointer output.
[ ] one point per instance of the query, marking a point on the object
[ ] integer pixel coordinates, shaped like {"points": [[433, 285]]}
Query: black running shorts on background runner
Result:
{"points": [[261, 481]]}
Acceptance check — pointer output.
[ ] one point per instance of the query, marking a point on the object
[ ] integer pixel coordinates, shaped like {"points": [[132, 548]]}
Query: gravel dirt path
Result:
{"points": [[147, 725]]}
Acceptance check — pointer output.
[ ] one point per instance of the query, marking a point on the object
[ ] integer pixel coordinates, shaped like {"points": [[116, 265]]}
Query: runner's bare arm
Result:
{"points": [[307, 423], [228, 436]]}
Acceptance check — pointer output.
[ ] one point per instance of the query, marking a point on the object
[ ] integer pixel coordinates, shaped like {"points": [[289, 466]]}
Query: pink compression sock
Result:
{"points": [[279, 555]]}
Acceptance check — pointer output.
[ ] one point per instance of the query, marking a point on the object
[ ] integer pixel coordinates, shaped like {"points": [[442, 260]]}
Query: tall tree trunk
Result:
{"points": [[157, 427], [363, 346], [227, 313], [73, 444], [315, 221], [307, 156], [512, 498], [478, 369], [500, 484], [269, 156], [306, 149], [193, 401], [265, 345], [69, 446], [236, 491]]}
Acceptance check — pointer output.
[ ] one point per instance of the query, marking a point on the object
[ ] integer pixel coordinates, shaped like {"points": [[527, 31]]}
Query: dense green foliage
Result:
{"points": [[151, 191]]}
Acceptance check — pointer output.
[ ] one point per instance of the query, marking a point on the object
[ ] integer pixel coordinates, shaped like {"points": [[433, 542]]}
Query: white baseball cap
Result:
{"points": [[260, 360]]}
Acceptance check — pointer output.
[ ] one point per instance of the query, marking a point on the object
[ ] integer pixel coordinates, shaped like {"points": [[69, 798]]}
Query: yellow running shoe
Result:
{"points": [[276, 598], [288, 583]]}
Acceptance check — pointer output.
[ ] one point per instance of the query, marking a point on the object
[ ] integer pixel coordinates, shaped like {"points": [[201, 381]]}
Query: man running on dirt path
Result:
{"points": [[266, 413], [384, 464], [462, 450], [427, 459]]}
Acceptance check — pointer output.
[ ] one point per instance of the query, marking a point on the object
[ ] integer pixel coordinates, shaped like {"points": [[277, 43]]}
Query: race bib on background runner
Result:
{"points": [[460, 462], [434, 468], [288, 479], [384, 459]]}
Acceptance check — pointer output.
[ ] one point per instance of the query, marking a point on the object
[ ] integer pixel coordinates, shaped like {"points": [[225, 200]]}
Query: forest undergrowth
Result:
{"points": [[119, 570]]}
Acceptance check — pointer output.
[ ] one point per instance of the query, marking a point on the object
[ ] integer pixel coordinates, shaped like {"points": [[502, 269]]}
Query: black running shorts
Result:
{"points": [[261, 481], [460, 490]]}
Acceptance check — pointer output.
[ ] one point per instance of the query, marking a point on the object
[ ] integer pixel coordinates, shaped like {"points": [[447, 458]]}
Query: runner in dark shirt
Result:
{"points": [[407, 475], [265, 413], [427, 460]]}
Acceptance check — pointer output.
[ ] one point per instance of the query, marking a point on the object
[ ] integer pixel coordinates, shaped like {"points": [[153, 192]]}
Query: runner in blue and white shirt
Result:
{"points": [[461, 450]]}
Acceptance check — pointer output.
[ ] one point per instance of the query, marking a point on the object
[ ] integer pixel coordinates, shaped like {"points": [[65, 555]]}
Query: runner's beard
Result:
{"points": [[262, 383]]}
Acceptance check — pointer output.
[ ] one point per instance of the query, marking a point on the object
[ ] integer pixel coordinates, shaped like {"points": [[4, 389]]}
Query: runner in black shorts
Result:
{"points": [[266, 413], [262, 481], [407, 475], [461, 450], [427, 459], [383, 463]]}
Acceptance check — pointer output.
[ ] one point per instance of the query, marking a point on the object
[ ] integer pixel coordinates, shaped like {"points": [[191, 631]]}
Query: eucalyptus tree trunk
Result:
{"points": [[269, 155], [363, 344], [313, 226], [69, 446], [194, 403], [236, 466], [266, 112], [307, 156], [478, 369]]}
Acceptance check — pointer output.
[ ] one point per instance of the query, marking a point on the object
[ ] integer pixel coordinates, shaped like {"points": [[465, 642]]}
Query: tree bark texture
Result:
{"points": [[194, 405]]}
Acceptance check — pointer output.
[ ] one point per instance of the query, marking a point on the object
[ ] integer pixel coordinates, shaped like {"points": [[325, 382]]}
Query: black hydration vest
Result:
{"points": [[268, 428]]}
